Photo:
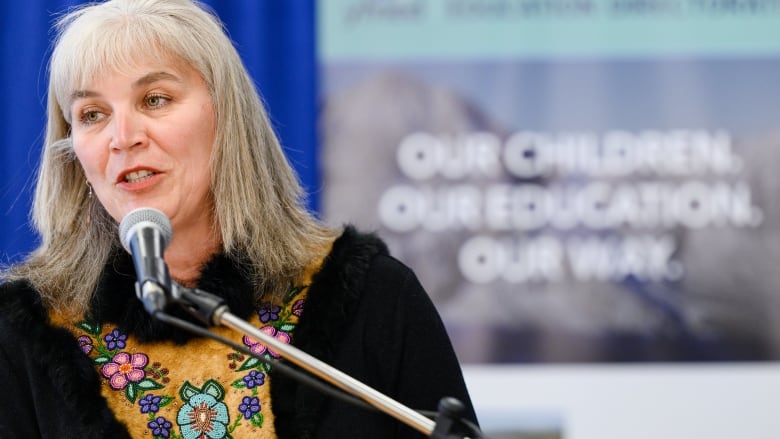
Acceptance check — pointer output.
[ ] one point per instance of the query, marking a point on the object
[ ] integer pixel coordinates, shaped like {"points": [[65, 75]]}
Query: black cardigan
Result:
{"points": [[366, 314]]}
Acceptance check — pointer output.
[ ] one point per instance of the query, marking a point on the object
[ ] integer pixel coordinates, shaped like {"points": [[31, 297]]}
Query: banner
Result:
{"points": [[572, 180]]}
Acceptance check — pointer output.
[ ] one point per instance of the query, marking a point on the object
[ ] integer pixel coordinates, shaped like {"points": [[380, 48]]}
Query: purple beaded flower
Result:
{"points": [[297, 308], [249, 406], [115, 340], [254, 379], [269, 312], [160, 427], [150, 403], [85, 343]]}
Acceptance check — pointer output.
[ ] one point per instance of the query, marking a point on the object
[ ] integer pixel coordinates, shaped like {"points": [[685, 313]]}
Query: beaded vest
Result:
{"points": [[200, 389]]}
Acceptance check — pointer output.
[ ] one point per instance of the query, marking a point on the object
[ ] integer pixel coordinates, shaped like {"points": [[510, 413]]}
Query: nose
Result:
{"points": [[128, 130]]}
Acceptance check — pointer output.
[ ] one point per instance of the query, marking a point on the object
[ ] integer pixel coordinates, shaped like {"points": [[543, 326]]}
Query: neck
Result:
{"points": [[190, 249]]}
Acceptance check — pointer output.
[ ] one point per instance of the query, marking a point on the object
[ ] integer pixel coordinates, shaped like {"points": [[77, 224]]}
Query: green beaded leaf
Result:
{"points": [[130, 393], [148, 384], [257, 419], [214, 389], [249, 364], [103, 359], [187, 391], [91, 328]]}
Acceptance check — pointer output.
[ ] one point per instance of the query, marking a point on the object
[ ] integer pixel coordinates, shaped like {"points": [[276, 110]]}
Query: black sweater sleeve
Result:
{"points": [[399, 344], [50, 388], [371, 319], [17, 411]]}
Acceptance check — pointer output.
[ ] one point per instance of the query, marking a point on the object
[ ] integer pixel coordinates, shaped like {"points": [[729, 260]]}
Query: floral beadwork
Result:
{"points": [[258, 348], [115, 340], [150, 403], [280, 323], [249, 407], [253, 379], [160, 427], [123, 370], [269, 312], [167, 403], [203, 414]]}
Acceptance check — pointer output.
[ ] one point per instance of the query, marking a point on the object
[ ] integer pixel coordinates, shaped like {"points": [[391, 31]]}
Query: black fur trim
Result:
{"points": [[68, 375], [331, 302], [115, 299]]}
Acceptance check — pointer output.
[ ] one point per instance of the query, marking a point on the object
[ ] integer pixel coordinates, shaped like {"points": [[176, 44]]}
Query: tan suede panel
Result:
{"points": [[199, 388]]}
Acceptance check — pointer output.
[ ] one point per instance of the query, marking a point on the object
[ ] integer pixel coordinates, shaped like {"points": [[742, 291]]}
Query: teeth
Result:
{"points": [[134, 177]]}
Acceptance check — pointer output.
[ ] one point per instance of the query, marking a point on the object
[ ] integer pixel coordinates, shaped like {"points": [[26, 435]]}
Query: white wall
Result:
{"points": [[721, 401]]}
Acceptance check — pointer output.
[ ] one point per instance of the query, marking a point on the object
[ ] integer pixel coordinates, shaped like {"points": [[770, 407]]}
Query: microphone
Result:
{"points": [[145, 233]]}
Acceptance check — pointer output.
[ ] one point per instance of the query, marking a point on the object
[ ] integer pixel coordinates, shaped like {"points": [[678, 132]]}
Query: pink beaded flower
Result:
{"points": [[258, 348], [124, 369]]}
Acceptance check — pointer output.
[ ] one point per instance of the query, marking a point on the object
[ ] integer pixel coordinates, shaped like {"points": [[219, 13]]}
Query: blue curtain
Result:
{"points": [[275, 38]]}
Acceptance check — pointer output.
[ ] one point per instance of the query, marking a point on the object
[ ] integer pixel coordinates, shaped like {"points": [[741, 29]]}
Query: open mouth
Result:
{"points": [[135, 177]]}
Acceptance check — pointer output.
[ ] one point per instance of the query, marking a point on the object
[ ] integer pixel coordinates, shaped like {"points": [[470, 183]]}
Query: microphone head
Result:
{"points": [[144, 217]]}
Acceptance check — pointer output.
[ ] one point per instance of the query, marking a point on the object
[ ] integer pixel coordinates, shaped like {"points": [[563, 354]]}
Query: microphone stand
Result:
{"points": [[211, 310]]}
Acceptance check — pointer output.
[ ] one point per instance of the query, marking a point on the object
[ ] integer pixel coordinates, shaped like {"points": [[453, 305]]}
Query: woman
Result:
{"points": [[150, 106]]}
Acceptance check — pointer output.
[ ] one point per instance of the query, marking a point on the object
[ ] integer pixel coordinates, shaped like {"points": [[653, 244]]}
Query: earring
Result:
{"points": [[89, 201]]}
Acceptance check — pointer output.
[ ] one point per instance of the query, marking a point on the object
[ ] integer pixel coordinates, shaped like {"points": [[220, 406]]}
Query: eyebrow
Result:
{"points": [[145, 80], [154, 77]]}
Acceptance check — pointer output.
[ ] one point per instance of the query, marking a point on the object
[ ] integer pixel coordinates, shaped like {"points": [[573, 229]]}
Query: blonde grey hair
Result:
{"points": [[258, 202]]}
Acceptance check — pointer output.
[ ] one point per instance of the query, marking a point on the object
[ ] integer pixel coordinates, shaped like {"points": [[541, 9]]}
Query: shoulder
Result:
{"points": [[336, 289], [359, 282], [20, 304], [359, 263], [358, 257], [354, 250], [27, 337], [24, 320], [34, 354], [25, 327], [377, 291]]}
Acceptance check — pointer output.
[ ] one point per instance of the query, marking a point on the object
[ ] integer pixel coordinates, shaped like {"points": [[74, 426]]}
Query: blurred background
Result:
{"points": [[586, 188]]}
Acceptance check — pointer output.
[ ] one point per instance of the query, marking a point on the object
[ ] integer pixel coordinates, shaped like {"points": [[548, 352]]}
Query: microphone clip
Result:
{"points": [[203, 305]]}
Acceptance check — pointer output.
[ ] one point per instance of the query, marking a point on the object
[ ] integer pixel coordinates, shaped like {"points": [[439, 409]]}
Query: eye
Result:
{"points": [[155, 100], [90, 116]]}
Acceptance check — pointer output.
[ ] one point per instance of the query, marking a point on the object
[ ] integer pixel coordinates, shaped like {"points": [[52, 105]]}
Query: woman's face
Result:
{"points": [[144, 138]]}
